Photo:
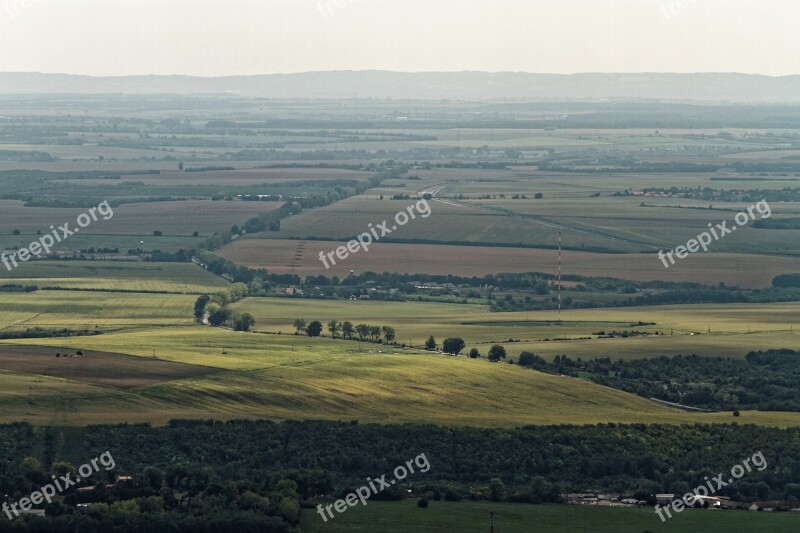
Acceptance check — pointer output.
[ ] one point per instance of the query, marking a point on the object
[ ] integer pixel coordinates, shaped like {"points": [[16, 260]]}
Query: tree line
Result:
{"points": [[347, 330], [215, 308]]}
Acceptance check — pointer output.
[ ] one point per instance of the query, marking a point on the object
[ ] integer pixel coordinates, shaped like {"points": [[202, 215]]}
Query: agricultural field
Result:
{"points": [[244, 175], [302, 257], [242, 280], [288, 377], [469, 517], [96, 367], [496, 208], [93, 310], [274, 373], [112, 334], [114, 276], [713, 330], [130, 226]]}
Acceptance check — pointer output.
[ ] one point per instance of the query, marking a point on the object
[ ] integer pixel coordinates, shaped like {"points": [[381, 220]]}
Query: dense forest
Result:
{"points": [[261, 473], [765, 381]]}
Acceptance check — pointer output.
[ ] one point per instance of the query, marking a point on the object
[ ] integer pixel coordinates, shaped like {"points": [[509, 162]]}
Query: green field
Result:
{"points": [[279, 375], [730, 330], [114, 276], [468, 517], [585, 208], [132, 225]]}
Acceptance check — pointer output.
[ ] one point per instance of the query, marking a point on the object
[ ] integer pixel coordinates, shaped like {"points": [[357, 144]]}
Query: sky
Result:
{"points": [[227, 37]]}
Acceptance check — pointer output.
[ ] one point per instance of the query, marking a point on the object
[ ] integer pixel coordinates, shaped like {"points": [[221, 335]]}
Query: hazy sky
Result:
{"points": [[220, 37]]}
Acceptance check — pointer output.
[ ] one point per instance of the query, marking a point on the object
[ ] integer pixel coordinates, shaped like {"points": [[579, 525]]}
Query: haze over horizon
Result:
{"points": [[210, 38]]}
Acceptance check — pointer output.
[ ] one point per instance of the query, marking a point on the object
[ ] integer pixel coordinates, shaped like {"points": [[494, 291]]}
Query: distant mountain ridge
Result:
{"points": [[704, 87]]}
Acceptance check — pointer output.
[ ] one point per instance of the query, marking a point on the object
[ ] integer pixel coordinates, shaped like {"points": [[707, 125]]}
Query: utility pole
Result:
{"points": [[559, 277], [491, 521]]}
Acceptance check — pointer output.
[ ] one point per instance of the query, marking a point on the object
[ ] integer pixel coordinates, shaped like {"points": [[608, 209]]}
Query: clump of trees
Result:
{"points": [[214, 308]]}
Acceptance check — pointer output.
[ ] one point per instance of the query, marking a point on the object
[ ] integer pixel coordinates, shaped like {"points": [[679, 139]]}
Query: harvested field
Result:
{"points": [[101, 368], [282, 256]]}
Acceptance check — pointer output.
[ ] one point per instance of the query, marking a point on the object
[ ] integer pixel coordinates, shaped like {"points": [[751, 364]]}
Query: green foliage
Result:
{"points": [[496, 353], [765, 381], [430, 344], [219, 316], [453, 345], [200, 306], [787, 280], [347, 329], [243, 321], [222, 461], [314, 329]]}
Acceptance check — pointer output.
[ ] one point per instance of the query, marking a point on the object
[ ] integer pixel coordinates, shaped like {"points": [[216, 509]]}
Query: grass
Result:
{"points": [[467, 517], [286, 376], [293, 377], [735, 329], [115, 275], [94, 310]]}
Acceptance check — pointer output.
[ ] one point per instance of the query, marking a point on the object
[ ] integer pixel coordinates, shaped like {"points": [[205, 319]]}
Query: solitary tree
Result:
{"points": [[314, 329], [200, 306], [363, 331], [497, 489], [453, 345], [430, 344], [474, 353], [333, 327], [375, 333], [299, 326], [496, 353], [243, 322], [388, 334], [347, 329], [219, 316]]}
